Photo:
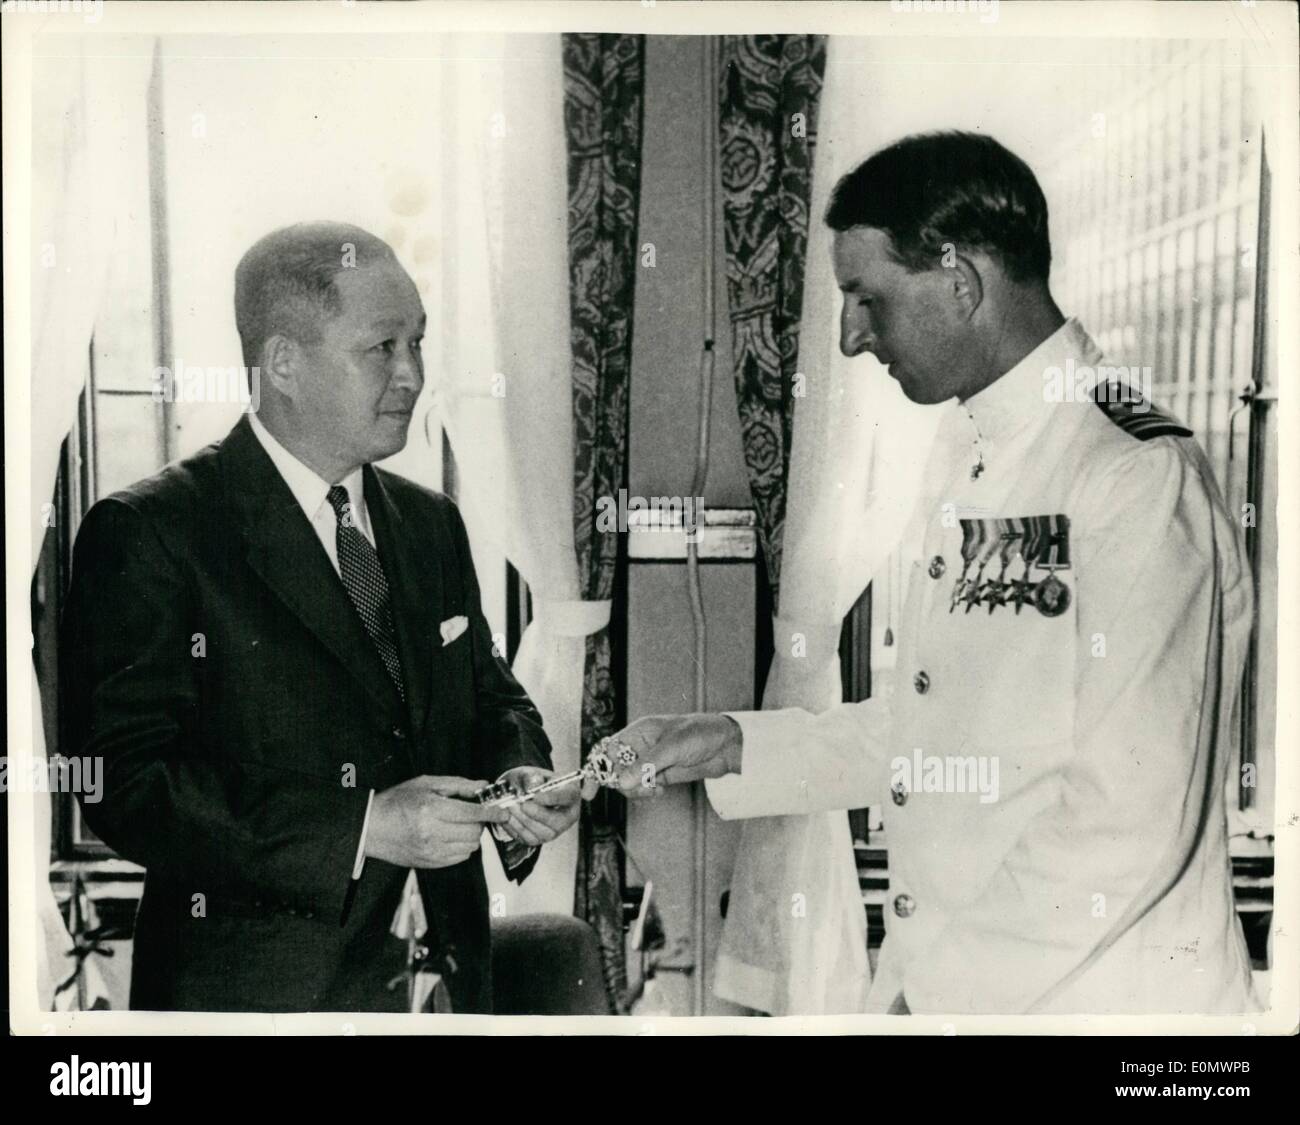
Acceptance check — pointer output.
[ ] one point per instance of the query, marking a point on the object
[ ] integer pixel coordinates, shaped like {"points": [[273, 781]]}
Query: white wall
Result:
{"points": [[257, 137]]}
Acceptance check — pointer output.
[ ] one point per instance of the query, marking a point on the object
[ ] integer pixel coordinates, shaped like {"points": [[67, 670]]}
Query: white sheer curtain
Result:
{"points": [[91, 97], [506, 382], [794, 942]]}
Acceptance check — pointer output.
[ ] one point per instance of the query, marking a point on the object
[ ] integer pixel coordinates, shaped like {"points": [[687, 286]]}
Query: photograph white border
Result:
{"points": [[1269, 26]]}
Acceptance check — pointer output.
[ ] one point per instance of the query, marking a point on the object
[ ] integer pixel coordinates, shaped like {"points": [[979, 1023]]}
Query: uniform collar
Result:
{"points": [[307, 487], [1014, 399]]}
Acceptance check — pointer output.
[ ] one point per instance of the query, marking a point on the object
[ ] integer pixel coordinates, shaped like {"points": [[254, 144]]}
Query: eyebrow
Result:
{"points": [[384, 323]]}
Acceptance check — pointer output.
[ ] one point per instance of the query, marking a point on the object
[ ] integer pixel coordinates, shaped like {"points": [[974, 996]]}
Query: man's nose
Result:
{"points": [[408, 371], [855, 337]]}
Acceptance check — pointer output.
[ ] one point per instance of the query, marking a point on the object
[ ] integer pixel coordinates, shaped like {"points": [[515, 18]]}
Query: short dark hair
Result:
{"points": [[949, 187], [284, 284]]}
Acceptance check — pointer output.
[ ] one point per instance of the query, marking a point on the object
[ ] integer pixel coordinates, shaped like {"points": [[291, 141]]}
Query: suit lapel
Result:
{"points": [[416, 589], [282, 547]]}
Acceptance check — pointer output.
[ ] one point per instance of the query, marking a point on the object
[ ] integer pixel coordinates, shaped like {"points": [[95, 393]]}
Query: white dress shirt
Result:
{"points": [[311, 491]]}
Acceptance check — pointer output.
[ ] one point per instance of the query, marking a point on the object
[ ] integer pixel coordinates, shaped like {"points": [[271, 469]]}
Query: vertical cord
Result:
{"points": [[158, 231], [699, 805]]}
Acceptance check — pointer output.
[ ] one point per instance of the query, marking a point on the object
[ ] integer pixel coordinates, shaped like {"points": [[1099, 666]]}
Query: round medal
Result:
{"points": [[1052, 596]]}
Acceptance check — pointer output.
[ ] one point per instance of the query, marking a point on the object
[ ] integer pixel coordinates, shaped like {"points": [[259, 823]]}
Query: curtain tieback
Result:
{"points": [[571, 619]]}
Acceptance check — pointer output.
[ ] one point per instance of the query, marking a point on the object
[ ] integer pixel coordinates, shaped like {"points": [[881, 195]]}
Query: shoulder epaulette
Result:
{"points": [[1134, 415]]}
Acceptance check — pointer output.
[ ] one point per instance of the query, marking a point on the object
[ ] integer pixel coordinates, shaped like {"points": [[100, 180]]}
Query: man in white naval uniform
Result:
{"points": [[1052, 762]]}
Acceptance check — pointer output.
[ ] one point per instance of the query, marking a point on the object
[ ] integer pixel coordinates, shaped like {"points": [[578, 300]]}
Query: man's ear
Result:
{"points": [[280, 362], [965, 284]]}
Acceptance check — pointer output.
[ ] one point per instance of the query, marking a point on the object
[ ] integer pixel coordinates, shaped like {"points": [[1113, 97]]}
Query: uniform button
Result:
{"points": [[399, 733], [904, 905], [937, 566], [921, 682], [899, 792]]}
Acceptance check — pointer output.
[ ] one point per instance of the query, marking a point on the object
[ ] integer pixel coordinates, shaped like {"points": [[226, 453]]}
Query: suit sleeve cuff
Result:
{"points": [[360, 861]]}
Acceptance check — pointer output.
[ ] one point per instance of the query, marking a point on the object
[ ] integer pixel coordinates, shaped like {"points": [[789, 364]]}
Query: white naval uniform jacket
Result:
{"points": [[1099, 880]]}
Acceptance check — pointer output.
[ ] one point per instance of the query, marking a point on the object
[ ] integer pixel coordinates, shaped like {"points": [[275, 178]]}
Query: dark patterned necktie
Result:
{"points": [[367, 586]]}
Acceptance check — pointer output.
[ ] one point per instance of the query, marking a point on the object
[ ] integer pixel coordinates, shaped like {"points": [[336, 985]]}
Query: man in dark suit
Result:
{"points": [[280, 653]]}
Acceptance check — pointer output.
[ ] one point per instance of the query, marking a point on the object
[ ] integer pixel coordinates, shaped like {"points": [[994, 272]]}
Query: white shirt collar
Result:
{"points": [[1019, 395], [309, 489]]}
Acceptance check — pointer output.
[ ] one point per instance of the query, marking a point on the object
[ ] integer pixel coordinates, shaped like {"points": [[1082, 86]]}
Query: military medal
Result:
{"points": [[1051, 595], [1022, 589], [1042, 542], [995, 592], [968, 547], [988, 541]]}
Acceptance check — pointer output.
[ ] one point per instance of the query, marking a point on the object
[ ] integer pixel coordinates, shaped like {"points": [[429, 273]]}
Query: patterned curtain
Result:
{"points": [[603, 85], [768, 130]]}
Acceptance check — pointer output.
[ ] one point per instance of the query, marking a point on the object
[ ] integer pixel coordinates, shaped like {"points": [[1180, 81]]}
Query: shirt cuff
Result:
{"points": [[515, 853], [773, 779], [360, 861]]}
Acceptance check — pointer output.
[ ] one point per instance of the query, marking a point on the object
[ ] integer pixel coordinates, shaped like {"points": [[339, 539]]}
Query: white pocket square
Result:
{"points": [[452, 628]]}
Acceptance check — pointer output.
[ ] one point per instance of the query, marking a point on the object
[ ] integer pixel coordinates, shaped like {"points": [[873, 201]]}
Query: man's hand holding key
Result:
{"points": [[429, 822]]}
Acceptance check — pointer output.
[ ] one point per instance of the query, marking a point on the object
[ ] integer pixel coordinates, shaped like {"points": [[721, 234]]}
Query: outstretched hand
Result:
{"points": [[673, 750]]}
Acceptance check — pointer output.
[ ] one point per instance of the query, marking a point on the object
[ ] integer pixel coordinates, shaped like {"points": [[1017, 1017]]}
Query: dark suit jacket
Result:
{"points": [[210, 654]]}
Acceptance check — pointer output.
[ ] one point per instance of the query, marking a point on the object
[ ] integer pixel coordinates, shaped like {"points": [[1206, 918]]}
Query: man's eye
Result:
{"points": [[417, 343], [386, 347]]}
